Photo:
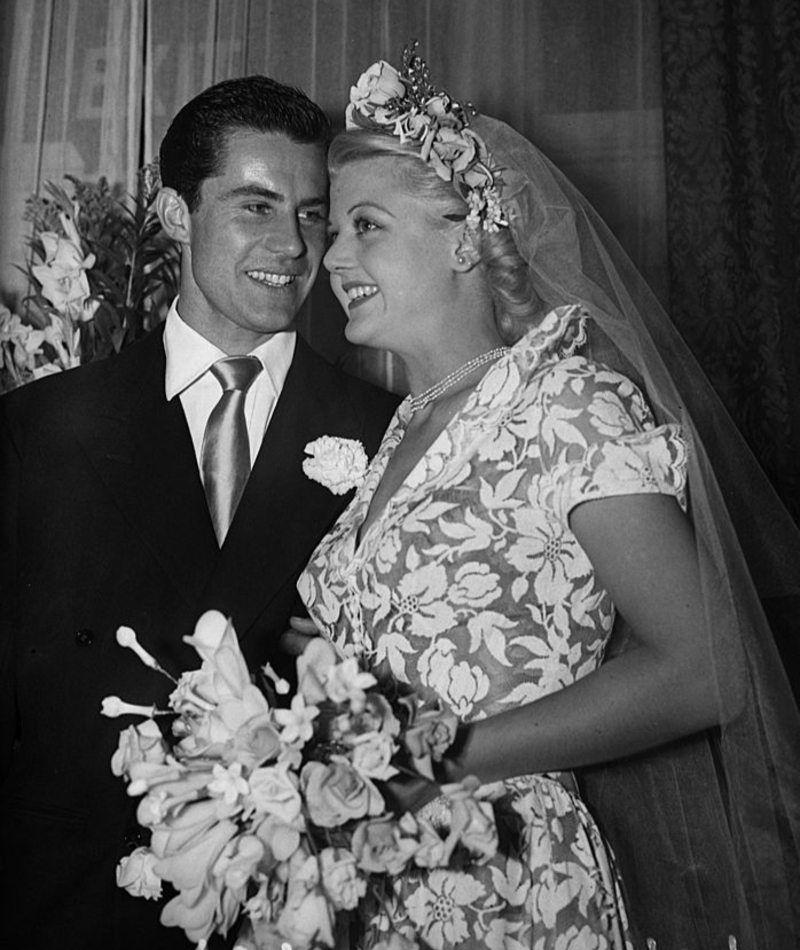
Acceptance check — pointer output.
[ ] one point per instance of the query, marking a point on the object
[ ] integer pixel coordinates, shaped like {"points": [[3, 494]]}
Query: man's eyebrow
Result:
{"points": [[314, 202], [254, 191], [259, 191]]}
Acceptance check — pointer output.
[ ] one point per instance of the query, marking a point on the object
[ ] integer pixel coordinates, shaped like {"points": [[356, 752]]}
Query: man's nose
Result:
{"points": [[285, 237]]}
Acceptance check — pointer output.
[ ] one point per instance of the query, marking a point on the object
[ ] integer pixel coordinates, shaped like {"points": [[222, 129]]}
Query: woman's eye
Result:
{"points": [[363, 226]]}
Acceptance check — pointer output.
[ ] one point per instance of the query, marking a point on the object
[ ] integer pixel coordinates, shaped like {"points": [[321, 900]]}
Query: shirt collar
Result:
{"points": [[190, 355]]}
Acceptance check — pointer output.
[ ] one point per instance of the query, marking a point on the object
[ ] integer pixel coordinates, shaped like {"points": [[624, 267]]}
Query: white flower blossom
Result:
{"points": [[228, 782], [338, 464]]}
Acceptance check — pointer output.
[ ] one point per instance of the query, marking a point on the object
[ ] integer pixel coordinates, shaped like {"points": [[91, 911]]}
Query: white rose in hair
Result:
{"points": [[338, 464], [377, 86]]}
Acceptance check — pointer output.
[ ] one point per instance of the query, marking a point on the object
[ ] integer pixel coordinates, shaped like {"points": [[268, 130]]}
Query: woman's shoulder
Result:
{"points": [[560, 383], [553, 356], [560, 333]]}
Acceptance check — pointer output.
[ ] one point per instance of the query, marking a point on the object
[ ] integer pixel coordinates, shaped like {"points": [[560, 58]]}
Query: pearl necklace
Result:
{"points": [[429, 395]]}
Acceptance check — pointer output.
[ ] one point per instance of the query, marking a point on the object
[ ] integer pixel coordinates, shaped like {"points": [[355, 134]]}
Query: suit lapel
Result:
{"points": [[141, 448]]}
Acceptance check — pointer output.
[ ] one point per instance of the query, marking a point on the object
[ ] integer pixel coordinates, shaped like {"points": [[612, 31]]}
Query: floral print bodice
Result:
{"points": [[470, 586]]}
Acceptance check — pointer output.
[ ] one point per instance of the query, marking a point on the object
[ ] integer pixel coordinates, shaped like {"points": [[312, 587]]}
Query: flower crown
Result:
{"points": [[406, 105]]}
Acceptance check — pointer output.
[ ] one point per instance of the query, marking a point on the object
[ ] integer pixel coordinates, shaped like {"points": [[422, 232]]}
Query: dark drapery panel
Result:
{"points": [[731, 100]]}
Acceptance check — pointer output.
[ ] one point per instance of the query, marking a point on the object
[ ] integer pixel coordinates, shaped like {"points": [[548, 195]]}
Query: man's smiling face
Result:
{"points": [[255, 241]]}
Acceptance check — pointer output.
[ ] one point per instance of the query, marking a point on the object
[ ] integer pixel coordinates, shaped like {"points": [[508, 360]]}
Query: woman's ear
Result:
{"points": [[466, 253], [174, 215]]}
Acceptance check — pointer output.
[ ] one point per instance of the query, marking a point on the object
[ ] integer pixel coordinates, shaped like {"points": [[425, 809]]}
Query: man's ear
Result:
{"points": [[466, 253], [174, 215]]}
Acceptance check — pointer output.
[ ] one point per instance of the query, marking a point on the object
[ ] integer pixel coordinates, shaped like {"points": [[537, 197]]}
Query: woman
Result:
{"points": [[526, 496]]}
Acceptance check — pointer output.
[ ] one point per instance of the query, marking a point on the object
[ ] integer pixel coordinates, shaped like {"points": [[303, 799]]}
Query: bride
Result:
{"points": [[546, 485]]}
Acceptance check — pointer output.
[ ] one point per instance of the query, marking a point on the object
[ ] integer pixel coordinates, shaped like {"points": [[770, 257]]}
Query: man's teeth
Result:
{"points": [[278, 280], [356, 293]]}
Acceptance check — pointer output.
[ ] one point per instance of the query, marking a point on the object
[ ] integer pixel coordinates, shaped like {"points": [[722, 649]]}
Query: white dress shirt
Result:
{"points": [[189, 358]]}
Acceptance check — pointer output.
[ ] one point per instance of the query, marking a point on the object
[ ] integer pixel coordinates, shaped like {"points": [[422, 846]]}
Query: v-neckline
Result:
{"points": [[550, 333], [412, 478]]}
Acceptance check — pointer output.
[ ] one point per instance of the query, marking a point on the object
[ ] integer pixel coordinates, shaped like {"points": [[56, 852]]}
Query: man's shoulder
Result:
{"points": [[89, 383]]}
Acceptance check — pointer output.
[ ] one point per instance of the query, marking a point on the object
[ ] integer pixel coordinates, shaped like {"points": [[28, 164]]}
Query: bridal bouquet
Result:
{"points": [[277, 809]]}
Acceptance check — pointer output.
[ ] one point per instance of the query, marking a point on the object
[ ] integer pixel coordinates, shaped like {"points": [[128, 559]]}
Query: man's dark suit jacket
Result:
{"points": [[104, 522]]}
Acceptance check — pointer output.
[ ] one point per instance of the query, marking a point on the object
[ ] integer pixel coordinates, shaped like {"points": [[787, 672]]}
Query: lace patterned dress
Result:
{"points": [[470, 588]]}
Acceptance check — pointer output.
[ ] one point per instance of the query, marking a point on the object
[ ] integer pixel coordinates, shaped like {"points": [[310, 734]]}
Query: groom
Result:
{"points": [[119, 504]]}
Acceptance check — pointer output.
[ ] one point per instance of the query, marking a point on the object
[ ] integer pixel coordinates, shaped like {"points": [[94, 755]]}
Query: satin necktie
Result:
{"points": [[226, 447]]}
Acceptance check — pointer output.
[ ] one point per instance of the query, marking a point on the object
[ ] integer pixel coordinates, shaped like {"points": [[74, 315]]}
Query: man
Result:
{"points": [[106, 520]]}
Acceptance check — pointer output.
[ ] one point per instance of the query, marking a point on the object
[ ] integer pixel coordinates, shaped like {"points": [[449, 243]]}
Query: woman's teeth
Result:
{"points": [[356, 293]]}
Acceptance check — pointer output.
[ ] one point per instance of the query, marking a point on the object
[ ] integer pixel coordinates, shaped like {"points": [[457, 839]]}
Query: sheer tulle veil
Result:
{"points": [[707, 830]]}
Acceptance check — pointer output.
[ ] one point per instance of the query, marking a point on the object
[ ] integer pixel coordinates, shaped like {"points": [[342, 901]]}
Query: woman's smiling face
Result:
{"points": [[390, 259]]}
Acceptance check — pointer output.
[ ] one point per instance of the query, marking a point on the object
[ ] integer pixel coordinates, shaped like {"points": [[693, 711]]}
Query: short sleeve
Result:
{"points": [[598, 439]]}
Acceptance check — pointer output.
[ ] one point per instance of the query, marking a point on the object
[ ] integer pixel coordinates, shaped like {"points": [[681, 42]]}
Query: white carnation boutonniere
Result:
{"points": [[338, 464]]}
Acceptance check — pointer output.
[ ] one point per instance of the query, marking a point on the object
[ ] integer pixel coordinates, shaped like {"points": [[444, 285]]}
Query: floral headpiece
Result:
{"points": [[406, 105]]}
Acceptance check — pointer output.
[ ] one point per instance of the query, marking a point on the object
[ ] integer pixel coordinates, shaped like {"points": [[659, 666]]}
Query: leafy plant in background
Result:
{"points": [[101, 273]]}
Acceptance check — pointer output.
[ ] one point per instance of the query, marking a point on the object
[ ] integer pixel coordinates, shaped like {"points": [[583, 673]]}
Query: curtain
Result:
{"points": [[731, 77], [88, 88]]}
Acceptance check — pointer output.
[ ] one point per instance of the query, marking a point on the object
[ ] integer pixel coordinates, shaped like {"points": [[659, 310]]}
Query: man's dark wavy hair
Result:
{"points": [[195, 146]]}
